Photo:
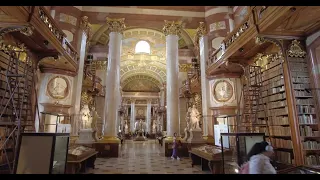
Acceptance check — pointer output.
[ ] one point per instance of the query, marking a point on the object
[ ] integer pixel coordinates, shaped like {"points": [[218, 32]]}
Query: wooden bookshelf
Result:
{"points": [[274, 107], [309, 135]]}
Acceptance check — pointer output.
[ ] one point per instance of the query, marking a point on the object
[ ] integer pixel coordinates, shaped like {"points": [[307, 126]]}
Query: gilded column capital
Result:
{"points": [[201, 31], [116, 25], [86, 26], [172, 27]]}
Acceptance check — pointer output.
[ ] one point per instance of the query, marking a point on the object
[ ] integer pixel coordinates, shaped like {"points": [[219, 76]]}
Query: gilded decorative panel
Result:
{"points": [[68, 19], [217, 26]]}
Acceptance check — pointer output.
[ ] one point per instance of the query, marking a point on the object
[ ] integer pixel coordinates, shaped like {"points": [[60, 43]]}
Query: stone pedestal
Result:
{"points": [[108, 147], [85, 137], [140, 137], [196, 137]]}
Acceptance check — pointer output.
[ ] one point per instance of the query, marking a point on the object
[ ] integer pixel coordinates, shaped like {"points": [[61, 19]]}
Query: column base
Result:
{"points": [[182, 150], [108, 146]]}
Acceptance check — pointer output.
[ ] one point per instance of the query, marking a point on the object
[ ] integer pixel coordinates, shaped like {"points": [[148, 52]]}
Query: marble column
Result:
{"points": [[77, 85], [162, 96], [116, 26], [133, 115], [172, 30], [148, 115], [204, 53]]}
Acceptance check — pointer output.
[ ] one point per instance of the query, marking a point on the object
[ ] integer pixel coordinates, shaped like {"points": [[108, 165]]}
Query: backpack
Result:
{"points": [[244, 169]]}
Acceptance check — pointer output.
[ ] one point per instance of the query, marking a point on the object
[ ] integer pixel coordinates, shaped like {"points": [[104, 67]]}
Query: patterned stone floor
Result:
{"points": [[146, 157]]}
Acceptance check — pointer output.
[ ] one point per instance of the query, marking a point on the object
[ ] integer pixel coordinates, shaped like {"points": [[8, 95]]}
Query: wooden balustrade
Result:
{"points": [[46, 18]]}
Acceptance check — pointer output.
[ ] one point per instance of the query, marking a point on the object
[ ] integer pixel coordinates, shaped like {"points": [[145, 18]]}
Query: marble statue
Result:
{"points": [[126, 128], [86, 117], [187, 128], [194, 117], [95, 117]]}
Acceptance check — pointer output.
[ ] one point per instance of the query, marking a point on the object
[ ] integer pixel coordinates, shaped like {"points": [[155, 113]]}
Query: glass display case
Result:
{"points": [[78, 152], [42, 153], [50, 122], [299, 170], [237, 146]]}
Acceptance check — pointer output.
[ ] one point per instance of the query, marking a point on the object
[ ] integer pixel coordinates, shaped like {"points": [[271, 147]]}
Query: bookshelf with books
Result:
{"points": [[274, 107], [307, 119]]}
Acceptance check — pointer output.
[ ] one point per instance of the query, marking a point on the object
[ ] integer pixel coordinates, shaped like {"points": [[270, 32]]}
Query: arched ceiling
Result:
{"points": [[140, 83], [151, 65]]}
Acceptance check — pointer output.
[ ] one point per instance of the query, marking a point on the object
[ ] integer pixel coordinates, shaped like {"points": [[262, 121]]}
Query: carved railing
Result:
{"points": [[46, 18], [231, 38], [215, 56], [70, 50]]}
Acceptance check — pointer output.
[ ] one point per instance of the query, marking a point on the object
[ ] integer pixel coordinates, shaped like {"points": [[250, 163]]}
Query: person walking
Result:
{"points": [[175, 147], [259, 160]]}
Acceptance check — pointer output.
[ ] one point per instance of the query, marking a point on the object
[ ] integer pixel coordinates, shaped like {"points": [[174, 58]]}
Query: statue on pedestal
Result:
{"points": [[194, 117], [140, 129]]}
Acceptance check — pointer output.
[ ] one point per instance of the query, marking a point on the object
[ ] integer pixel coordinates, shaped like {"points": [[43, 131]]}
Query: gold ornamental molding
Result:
{"points": [[86, 26], [185, 67], [116, 25], [295, 50], [201, 31], [172, 27]]}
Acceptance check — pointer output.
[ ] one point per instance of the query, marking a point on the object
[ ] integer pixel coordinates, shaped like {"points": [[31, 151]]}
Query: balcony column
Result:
{"points": [[83, 35], [115, 27], [204, 52], [172, 30]]}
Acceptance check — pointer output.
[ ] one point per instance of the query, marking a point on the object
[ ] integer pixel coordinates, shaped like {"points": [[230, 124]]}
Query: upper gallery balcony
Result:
{"points": [[47, 39], [263, 21]]}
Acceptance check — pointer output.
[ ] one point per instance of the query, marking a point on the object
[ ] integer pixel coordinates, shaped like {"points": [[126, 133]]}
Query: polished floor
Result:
{"points": [[145, 157]]}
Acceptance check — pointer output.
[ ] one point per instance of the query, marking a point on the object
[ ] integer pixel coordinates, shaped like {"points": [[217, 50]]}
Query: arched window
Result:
{"points": [[142, 47]]}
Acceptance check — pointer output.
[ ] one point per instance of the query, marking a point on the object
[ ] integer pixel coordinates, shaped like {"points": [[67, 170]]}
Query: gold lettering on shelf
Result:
{"points": [[172, 27], [295, 50], [116, 25]]}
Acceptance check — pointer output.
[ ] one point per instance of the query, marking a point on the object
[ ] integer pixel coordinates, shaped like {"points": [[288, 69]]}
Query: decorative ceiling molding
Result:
{"points": [[153, 70], [140, 84], [124, 82]]}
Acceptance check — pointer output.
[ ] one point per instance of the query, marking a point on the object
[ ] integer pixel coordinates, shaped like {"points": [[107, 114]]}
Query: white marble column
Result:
{"points": [[133, 115], [116, 27], [204, 52], [82, 44], [148, 115], [172, 31]]}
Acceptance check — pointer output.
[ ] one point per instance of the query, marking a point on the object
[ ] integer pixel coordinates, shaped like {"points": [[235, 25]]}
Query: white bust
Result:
{"points": [[86, 117], [194, 117]]}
